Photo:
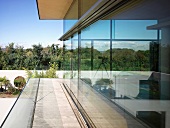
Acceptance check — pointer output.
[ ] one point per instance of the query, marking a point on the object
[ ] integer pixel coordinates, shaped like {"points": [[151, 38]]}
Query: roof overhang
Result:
{"points": [[53, 9], [63, 9]]}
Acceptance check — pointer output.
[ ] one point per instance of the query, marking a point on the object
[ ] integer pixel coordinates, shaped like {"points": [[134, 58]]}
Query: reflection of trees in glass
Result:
{"points": [[101, 55], [122, 59], [86, 54], [130, 60]]}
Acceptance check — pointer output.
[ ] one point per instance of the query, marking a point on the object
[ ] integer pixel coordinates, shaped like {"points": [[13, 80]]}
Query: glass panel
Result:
{"points": [[75, 54], [23, 110], [68, 24], [86, 56], [101, 53], [74, 66], [130, 55], [134, 85], [133, 29], [133, 81], [67, 56], [93, 51], [99, 30], [139, 80]]}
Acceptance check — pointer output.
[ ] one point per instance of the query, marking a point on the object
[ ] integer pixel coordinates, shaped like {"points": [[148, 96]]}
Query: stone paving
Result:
{"points": [[53, 109]]}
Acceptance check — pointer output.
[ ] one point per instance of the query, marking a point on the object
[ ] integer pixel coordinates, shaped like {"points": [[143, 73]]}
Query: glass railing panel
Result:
{"points": [[21, 114]]}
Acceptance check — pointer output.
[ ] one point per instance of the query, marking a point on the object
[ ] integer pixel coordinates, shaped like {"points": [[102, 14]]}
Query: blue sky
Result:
{"points": [[19, 23]]}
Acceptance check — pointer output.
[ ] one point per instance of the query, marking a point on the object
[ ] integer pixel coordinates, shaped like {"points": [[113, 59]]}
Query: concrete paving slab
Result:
{"points": [[53, 109]]}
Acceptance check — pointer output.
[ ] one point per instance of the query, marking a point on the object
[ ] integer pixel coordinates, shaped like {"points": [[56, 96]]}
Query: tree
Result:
{"points": [[1, 55], [37, 52], [50, 73], [10, 57], [20, 56], [29, 60], [4, 81], [1, 80], [10, 48]]}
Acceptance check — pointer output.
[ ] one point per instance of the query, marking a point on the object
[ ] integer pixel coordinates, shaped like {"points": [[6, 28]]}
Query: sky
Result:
{"points": [[19, 23]]}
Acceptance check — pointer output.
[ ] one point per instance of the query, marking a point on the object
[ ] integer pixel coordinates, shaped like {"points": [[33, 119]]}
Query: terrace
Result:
{"points": [[116, 68], [80, 103], [47, 102]]}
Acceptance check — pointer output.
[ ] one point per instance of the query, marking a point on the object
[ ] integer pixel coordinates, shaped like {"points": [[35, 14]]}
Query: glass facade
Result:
{"points": [[133, 29], [116, 66], [120, 73]]}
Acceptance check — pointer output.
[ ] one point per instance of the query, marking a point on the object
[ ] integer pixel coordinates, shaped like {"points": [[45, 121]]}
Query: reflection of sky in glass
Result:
{"points": [[122, 29], [105, 45], [135, 45], [75, 36], [134, 29], [102, 45], [86, 44], [99, 30], [75, 44], [68, 24], [67, 44]]}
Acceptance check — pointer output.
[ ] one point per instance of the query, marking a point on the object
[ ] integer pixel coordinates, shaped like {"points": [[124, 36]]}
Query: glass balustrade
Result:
{"points": [[21, 114]]}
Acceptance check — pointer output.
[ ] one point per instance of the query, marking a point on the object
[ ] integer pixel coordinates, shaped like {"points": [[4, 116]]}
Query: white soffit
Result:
{"points": [[53, 9]]}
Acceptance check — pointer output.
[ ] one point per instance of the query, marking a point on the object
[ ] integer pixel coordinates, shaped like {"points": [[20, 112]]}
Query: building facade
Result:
{"points": [[116, 52]]}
